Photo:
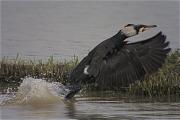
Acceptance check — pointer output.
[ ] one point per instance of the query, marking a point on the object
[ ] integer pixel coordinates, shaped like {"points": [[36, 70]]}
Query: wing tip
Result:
{"points": [[167, 50]]}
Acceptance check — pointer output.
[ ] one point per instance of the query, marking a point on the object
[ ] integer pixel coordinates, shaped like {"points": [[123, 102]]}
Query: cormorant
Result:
{"points": [[117, 62]]}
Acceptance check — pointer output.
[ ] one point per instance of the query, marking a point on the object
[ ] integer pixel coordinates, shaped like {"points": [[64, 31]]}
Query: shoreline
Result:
{"points": [[164, 82]]}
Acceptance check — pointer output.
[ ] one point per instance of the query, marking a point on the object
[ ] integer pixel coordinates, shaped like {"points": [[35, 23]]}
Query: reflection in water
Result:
{"points": [[118, 109], [63, 29], [86, 109], [70, 109], [38, 99]]}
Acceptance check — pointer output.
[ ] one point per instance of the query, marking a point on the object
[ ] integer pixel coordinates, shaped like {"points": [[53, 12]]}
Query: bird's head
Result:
{"points": [[132, 29]]}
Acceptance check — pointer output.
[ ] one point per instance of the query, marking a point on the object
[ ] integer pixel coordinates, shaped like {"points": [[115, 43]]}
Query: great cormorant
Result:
{"points": [[117, 62]]}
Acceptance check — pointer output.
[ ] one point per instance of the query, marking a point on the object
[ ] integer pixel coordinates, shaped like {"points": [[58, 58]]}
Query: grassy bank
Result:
{"points": [[164, 82], [12, 71]]}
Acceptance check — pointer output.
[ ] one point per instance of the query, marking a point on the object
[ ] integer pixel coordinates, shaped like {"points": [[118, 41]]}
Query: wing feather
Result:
{"points": [[128, 64], [133, 62]]}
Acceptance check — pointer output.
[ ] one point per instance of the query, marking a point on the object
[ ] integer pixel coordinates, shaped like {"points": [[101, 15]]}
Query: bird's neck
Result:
{"points": [[119, 37]]}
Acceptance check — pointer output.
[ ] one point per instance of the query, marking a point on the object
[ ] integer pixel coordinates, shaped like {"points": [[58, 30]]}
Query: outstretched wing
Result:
{"points": [[132, 62]]}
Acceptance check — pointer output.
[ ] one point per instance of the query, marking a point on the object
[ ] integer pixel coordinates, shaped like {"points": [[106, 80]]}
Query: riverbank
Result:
{"points": [[162, 83]]}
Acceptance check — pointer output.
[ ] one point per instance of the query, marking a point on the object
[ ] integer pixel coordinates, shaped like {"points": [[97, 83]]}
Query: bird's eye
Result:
{"points": [[142, 29]]}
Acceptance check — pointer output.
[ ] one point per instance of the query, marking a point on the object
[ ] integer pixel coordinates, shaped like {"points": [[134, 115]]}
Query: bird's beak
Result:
{"points": [[147, 27], [150, 26]]}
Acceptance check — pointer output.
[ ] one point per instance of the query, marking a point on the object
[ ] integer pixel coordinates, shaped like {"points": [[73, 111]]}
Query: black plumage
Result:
{"points": [[114, 62]]}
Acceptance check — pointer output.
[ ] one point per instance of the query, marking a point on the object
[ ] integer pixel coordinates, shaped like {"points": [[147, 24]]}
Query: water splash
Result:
{"points": [[36, 92]]}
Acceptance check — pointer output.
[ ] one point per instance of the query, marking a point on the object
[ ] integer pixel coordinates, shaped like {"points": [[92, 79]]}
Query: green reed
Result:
{"points": [[164, 82], [12, 71]]}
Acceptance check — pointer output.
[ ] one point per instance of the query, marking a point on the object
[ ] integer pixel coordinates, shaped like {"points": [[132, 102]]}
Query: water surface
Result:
{"points": [[38, 29], [38, 99], [93, 108]]}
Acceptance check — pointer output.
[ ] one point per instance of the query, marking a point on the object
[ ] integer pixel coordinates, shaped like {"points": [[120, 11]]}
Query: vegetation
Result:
{"points": [[164, 82], [12, 71]]}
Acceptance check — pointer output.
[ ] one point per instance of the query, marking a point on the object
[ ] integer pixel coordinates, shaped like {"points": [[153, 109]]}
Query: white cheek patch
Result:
{"points": [[85, 70], [129, 31]]}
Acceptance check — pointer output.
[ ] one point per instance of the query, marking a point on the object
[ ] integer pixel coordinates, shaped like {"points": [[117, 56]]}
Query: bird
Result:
{"points": [[116, 62]]}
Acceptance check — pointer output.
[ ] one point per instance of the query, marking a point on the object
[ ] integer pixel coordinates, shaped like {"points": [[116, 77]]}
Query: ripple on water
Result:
{"points": [[39, 99]]}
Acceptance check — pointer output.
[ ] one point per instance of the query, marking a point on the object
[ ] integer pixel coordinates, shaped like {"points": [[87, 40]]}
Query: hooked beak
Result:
{"points": [[146, 27], [150, 26]]}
